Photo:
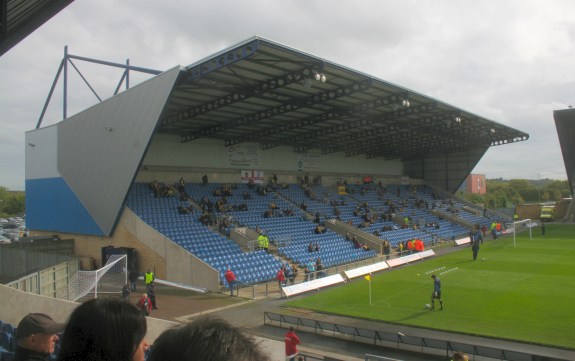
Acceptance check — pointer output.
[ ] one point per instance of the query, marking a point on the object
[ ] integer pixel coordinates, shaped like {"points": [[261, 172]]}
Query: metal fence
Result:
{"points": [[31, 255], [395, 340]]}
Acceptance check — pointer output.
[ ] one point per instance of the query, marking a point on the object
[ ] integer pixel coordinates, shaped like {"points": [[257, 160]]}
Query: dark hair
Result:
{"points": [[103, 329], [206, 339]]}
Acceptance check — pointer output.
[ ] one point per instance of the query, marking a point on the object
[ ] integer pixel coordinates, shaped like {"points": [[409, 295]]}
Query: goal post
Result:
{"points": [[521, 226], [110, 278]]}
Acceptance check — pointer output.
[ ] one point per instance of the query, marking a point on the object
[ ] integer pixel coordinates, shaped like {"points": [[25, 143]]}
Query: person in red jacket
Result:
{"points": [[291, 342], [280, 276], [232, 281], [144, 304]]}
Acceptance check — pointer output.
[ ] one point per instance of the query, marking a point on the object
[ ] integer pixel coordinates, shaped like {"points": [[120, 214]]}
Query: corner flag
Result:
{"points": [[368, 278]]}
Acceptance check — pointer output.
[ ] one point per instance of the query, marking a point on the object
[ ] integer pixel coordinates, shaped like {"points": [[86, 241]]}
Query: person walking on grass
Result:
{"points": [[436, 293]]}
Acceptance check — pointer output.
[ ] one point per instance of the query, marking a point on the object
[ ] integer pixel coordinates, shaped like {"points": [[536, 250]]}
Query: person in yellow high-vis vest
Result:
{"points": [[261, 241], [149, 277]]}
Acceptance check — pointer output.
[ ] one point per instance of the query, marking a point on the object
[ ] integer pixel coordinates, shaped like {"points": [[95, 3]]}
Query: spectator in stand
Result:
{"points": [[104, 329], [410, 247], [206, 339], [311, 269], [232, 281], [280, 277], [293, 274], [36, 337], [386, 248], [287, 273], [182, 185], [419, 246], [319, 268], [310, 247], [204, 179]]}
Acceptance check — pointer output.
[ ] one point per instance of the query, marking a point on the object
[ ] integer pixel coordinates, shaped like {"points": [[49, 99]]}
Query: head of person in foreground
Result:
{"points": [[104, 329], [206, 339]]}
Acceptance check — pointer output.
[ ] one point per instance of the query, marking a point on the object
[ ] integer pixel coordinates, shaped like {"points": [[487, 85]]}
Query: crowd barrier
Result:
{"points": [[321, 282], [396, 340]]}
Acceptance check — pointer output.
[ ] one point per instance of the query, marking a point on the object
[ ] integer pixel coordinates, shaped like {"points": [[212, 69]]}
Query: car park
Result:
{"points": [[12, 234]]}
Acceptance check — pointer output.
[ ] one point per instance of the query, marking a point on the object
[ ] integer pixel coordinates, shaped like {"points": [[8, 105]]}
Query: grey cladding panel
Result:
{"points": [[100, 149], [448, 171]]}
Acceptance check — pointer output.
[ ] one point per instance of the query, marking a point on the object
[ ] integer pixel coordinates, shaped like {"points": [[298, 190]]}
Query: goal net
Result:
{"points": [[111, 278], [521, 226]]}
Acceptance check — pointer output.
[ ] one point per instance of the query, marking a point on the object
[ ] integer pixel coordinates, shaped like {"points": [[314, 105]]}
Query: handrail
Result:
{"points": [[393, 340]]}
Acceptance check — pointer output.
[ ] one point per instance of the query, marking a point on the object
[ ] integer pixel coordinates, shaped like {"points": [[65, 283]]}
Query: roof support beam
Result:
{"points": [[281, 109], [229, 99]]}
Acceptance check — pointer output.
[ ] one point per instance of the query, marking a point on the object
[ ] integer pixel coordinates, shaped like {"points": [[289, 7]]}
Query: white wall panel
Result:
{"points": [[42, 153], [168, 151]]}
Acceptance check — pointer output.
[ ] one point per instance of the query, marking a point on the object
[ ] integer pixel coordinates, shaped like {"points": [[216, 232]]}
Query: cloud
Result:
{"points": [[509, 60]]}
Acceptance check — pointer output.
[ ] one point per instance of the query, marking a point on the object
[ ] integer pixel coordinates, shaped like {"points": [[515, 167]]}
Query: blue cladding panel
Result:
{"points": [[52, 206]]}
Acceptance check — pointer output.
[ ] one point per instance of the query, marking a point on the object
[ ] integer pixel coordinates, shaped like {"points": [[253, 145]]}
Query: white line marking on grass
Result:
{"points": [[449, 270], [434, 270]]}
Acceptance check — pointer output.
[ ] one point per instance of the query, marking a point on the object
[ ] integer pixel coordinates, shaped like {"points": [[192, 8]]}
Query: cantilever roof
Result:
{"points": [[19, 18], [264, 92]]}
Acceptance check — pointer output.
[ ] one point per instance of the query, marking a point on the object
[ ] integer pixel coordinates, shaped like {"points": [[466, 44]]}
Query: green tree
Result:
{"points": [[15, 204], [11, 203], [557, 189]]}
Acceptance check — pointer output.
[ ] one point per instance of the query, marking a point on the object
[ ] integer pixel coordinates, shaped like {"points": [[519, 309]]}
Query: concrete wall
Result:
{"points": [[18, 304], [154, 251]]}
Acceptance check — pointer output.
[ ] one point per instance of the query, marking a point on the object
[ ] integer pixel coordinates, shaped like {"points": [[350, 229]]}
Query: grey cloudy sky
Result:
{"points": [[508, 61]]}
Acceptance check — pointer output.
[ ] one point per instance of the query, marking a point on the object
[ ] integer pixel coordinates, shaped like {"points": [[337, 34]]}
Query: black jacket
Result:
{"points": [[23, 354]]}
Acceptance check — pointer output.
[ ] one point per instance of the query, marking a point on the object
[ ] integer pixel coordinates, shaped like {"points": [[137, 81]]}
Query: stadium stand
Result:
{"points": [[278, 211], [187, 231]]}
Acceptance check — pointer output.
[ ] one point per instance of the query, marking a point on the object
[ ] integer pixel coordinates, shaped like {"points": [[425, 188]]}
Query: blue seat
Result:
{"points": [[6, 341], [8, 327], [6, 355]]}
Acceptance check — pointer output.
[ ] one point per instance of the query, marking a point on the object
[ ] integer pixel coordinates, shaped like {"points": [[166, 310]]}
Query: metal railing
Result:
{"points": [[395, 340]]}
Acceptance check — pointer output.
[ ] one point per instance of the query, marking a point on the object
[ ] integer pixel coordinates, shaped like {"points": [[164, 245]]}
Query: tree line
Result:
{"points": [[11, 203], [508, 193]]}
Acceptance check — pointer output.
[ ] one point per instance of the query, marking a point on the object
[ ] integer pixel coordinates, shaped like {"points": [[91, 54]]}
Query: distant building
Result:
{"points": [[475, 183]]}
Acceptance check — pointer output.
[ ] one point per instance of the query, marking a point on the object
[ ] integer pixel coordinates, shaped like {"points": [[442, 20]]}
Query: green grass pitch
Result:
{"points": [[524, 293]]}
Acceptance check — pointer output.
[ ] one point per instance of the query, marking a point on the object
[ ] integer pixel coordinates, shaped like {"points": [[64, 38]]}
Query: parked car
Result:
{"points": [[4, 240], [12, 234], [10, 225]]}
